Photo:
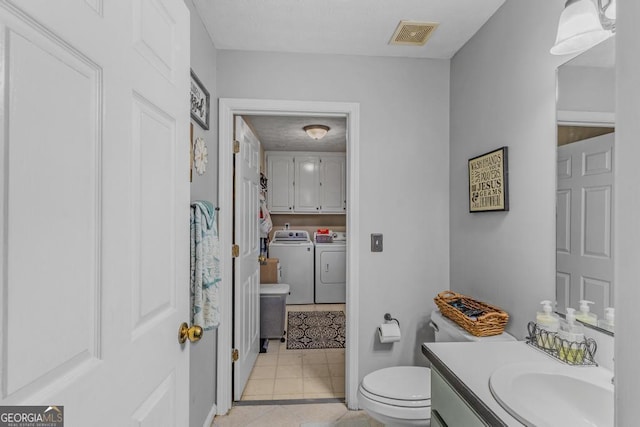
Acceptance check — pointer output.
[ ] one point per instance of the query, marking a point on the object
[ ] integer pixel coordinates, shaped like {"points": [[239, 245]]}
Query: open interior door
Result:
{"points": [[585, 223], [246, 305], [94, 209]]}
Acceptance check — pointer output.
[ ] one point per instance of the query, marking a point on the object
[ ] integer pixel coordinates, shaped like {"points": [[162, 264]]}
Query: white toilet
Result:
{"points": [[401, 395]]}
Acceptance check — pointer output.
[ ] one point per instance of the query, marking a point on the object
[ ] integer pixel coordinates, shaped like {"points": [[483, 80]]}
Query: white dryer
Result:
{"points": [[331, 269], [294, 249]]}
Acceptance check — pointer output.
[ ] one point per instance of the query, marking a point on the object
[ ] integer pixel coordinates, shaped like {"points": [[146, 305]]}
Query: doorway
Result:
{"points": [[227, 110]]}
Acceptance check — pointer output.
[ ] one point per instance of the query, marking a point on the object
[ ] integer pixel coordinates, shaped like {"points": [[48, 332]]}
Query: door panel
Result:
{"points": [[584, 224], [246, 267], [37, 64], [94, 213]]}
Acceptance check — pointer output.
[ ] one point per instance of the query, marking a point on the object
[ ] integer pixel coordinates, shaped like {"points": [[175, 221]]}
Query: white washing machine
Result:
{"points": [[294, 249], [331, 269]]}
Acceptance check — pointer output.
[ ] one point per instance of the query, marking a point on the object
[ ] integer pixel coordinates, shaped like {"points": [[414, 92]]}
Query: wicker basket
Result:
{"points": [[492, 322]]}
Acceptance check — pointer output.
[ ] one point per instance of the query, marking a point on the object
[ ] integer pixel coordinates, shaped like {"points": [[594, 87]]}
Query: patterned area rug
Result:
{"points": [[315, 329]]}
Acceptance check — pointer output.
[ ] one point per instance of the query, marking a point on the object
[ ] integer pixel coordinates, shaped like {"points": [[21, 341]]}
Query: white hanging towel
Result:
{"points": [[205, 266], [265, 218]]}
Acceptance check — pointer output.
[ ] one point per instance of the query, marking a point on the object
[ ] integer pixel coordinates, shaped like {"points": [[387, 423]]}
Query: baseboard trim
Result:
{"points": [[208, 422]]}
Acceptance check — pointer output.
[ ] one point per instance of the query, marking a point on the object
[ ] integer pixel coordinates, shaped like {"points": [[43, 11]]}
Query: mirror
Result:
{"points": [[584, 182]]}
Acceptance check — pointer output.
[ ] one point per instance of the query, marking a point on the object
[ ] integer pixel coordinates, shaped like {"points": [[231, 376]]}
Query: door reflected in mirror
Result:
{"points": [[585, 180]]}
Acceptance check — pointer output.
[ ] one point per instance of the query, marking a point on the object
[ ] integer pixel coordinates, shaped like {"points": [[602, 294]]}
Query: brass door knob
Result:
{"points": [[193, 333], [262, 259]]}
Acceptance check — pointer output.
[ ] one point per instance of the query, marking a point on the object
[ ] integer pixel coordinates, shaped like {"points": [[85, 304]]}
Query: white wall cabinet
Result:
{"points": [[280, 173], [333, 195], [306, 182], [306, 186]]}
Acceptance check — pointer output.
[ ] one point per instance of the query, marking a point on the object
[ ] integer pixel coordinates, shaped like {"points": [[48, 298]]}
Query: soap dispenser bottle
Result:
{"points": [[549, 322], [571, 335], [584, 315], [608, 321]]}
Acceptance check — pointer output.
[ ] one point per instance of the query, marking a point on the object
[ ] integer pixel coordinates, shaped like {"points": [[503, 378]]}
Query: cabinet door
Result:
{"points": [[332, 185], [307, 184], [450, 408], [280, 183]]}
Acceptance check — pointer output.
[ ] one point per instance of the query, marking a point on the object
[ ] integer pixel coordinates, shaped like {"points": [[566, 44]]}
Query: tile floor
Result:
{"points": [[281, 374], [305, 415]]}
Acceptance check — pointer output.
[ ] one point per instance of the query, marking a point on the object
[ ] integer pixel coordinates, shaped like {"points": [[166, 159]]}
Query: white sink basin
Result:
{"points": [[554, 394]]}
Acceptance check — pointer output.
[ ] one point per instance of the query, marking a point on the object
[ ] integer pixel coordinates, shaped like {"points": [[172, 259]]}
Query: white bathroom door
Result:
{"points": [[246, 322], [584, 236], [94, 209]]}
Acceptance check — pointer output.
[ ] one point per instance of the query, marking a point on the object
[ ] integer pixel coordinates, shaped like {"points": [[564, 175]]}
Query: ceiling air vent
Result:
{"points": [[412, 33]]}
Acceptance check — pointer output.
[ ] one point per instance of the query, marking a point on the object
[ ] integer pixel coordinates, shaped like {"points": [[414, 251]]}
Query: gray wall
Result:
{"points": [[627, 206], [204, 187], [503, 92], [586, 89], [404, 192]]}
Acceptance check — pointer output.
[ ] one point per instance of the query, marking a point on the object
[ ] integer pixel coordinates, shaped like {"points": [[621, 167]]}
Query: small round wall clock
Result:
{"points": [[200, 155]]}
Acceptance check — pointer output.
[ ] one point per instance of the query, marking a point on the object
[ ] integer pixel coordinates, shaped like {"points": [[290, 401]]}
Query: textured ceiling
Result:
{"points": [[284, 133], [353, 27]]}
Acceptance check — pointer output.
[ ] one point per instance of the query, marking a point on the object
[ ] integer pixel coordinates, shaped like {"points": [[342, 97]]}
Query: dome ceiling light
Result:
{"points": [[316, 131]]}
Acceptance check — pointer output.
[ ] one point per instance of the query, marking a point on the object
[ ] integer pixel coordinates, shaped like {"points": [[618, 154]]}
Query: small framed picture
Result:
{"points": [[488, 182], [199, 102]]}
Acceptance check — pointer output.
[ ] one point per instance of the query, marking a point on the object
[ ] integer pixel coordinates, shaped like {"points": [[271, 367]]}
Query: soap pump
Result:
{"points": [[547, 321], [571, 335], [608, 321], [584, 315]]}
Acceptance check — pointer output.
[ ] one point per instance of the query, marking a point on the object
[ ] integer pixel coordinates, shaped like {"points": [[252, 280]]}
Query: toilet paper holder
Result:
{"points": [[388, 318]]}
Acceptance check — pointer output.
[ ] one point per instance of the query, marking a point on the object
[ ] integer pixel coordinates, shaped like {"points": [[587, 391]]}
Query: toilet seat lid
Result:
{"points": [[400, 383]]}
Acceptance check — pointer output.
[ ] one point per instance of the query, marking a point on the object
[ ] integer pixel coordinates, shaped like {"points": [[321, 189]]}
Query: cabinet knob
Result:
{"points": [[289, 207], [317, 208]]}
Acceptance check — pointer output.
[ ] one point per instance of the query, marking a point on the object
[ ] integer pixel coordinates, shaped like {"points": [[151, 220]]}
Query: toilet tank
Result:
{"points": [[447, 330]]}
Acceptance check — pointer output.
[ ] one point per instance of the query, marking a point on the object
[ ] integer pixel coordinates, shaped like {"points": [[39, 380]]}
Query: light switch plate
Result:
{"points": [[376, 242]]}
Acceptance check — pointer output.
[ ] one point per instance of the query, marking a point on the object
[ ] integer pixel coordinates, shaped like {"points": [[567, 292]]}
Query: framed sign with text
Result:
{"points": [[488, 182], [199, 102]]}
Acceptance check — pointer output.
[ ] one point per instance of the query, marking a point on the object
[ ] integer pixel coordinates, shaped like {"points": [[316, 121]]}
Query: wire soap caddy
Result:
{"points": [[570, 352]]}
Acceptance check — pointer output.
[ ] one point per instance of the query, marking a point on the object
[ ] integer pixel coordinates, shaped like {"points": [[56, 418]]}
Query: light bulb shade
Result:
{"points": [[316, 131], [579, 28]]}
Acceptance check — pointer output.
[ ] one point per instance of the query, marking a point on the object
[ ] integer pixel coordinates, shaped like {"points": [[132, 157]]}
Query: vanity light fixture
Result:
{"points": [[316, 131], [583, 25]]}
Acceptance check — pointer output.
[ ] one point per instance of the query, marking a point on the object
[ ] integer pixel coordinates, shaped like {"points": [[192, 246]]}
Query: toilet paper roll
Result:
{"points": [[389, 332]]}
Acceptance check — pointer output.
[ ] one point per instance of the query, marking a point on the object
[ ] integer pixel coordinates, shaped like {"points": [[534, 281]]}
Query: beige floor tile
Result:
{"points": [[289, 371], [317, 385], [337, 384], [246, 398], [255, 387], [315, 371], [280, 417], [335, 357], [301, 307], [336, 369], [242, 415], [314, 357], [318, 412], [290, 415], [330, 307], [263, 372], [285, 350], [267, 359], [288, 386], [290, 359]]}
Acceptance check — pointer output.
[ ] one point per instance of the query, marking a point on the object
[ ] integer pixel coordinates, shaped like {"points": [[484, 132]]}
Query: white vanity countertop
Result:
{"points": [[474, 362]]}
